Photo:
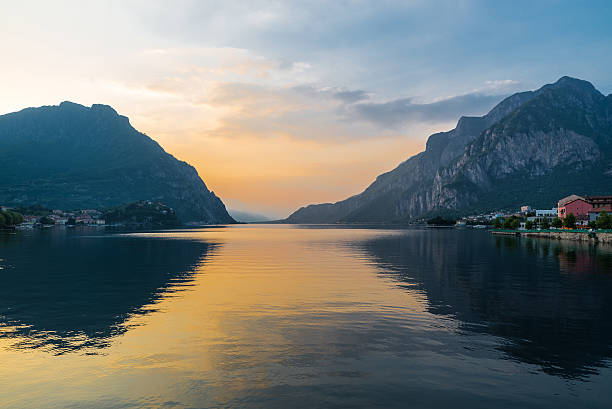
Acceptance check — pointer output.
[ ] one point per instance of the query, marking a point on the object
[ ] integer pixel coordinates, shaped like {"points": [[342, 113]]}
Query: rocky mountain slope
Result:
{"points": [[71, 156], [533, 147]]}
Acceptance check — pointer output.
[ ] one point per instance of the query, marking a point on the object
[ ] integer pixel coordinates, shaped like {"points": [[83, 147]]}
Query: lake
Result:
{"points": [[274, 316]]}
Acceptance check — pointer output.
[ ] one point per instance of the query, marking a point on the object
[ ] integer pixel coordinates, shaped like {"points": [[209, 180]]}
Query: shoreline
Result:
{"points": [[602, 236]]}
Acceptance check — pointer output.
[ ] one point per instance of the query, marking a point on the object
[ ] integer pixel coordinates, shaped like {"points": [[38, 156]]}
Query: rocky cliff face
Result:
{"points": [[566, 132], [70, 156], [533, 147]]}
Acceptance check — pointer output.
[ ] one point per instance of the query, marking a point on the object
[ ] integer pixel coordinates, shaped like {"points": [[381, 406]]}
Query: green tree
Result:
{"points": [[46, 220], [17, 218], [604, 221], [570, 221], [9, 218], [497, 223], [529, 225], [557, 223], [71, 221], [545, 224], [593, 224], [512, 223]]}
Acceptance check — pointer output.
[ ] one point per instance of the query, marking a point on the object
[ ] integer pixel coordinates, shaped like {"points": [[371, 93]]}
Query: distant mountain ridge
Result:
{"points": [[71, 156], [247, 217], [533, 147]]}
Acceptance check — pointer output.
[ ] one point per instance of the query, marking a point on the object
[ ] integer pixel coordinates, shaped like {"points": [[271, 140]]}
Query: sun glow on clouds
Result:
{"points": [[260, 131]]}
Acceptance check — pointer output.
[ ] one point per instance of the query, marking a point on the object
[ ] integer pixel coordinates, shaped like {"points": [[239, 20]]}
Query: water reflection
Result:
{"points": [[68, 292], [549, 301], [282, 316]]}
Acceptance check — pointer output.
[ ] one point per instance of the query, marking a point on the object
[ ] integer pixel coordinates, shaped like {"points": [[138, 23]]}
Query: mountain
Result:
{"points": [[533, 147], [247, 217], [71, 156]]}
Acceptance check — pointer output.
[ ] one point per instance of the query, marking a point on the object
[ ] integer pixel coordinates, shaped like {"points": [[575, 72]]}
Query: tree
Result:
{"points": [[570, 221], [592, 224], [545, 224], [46, 220], [440, 221], [71, 221], [604, 221], [497, 223], [36, 210], [17, 218], [529, 225], [512, 223], [8, 218], [557, 223]]}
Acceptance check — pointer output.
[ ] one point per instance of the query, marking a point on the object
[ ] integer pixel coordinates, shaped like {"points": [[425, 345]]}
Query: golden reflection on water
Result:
{"points": [[263, 297]]}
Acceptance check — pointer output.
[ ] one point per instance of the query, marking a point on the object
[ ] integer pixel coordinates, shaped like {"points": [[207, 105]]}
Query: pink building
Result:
{"points": [[574, 204]]}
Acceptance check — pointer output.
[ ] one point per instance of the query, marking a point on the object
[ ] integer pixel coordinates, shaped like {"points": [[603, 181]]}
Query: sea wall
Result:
{"points": [[601, 236], [564, 235], [605, 237], [506, 232]]}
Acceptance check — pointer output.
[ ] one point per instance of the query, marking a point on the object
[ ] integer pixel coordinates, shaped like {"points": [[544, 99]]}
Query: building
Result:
{"points": [[577, 205], [29, 221], [57, 219], [541, 215], [600, 203], [593, 215], [526, 209], [85, 220], [550, 213]]}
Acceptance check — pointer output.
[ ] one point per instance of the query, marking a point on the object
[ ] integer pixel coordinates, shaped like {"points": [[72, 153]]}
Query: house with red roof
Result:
{"points": [[577, 205]]}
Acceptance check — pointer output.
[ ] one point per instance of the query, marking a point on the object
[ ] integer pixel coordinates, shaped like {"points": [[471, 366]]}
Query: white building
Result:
{"points": [[549, 213]]}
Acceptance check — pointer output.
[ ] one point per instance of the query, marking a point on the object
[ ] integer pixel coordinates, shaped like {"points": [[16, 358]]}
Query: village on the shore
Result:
{"points": [[573, 212], [141, 213]]}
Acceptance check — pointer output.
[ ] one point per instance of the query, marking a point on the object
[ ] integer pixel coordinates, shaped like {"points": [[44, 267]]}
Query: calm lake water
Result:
{"points": [[303, 316]]}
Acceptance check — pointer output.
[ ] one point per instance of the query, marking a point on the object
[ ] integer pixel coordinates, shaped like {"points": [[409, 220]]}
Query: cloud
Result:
{"points": [[301, 112], [343, 95], [236, 92], [333, 114], [399, 112], [351, 96], [501, 84], [313, 112]]}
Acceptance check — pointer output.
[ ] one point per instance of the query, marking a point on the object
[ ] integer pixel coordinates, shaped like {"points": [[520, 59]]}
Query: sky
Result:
{"points": [[283, 104]]}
